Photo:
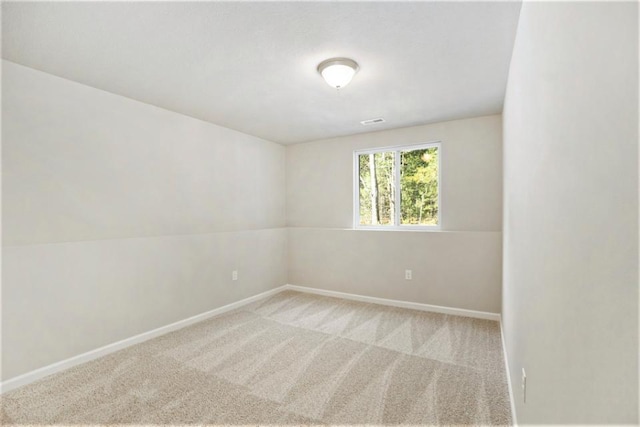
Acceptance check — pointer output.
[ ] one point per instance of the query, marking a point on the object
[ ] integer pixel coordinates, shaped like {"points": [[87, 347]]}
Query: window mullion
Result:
{"points": [[397, 185]]}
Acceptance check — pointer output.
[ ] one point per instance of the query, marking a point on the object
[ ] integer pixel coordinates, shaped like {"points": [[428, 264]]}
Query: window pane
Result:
{"points": [[419, 187], [377, 188]]}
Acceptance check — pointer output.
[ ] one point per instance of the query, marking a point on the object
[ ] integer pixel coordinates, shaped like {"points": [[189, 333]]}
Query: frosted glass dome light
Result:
{"points": [[338, 72]]}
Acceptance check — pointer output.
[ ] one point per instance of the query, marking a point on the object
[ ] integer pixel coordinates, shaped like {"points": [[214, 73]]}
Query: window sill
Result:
{"points": [[396, 228]]}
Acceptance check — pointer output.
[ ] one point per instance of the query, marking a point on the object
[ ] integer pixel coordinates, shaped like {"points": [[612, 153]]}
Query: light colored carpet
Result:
{"points": [[293, 358]]}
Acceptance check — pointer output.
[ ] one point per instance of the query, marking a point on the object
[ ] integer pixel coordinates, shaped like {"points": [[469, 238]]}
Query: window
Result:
{"points": [[397, 188]]}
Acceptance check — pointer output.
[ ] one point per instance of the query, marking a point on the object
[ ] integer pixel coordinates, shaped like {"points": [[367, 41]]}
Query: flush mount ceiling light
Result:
{"points": [[338, 72]]}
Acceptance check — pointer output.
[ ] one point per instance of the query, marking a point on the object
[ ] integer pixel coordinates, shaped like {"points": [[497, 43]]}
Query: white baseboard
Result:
{"points": [[397, 303], [514, 420], [37, 374]]}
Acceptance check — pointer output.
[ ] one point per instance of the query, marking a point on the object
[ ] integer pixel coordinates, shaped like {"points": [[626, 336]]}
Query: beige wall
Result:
{"points": [[83, 164], [320, 174], [120, 217], [570, 298], [451, 269], [457, 267]]}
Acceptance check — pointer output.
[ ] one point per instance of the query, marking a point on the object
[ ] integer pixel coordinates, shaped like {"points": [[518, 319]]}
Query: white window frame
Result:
{"points": [[397, 225]]}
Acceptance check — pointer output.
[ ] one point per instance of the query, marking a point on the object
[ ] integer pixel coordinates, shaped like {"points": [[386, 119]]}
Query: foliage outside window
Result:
{"points": [[398, 187]]}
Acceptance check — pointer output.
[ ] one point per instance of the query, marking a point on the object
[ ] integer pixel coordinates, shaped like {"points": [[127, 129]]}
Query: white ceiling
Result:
{"points": [[252, 66]]}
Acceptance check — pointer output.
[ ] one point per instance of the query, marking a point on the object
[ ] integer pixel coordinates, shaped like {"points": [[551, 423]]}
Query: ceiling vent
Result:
{"points": [[372, 121]]}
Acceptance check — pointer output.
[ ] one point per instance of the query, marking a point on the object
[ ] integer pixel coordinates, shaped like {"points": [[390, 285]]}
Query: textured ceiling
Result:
{"points": [[252, 66]]}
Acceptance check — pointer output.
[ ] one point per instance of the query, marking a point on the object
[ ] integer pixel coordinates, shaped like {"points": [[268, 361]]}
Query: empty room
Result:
{"points": [[417, 213]]}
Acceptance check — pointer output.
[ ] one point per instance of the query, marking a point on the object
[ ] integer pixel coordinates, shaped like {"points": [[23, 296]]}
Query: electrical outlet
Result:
{"points": [[407, 274], [524, 386], [234, 275]]}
